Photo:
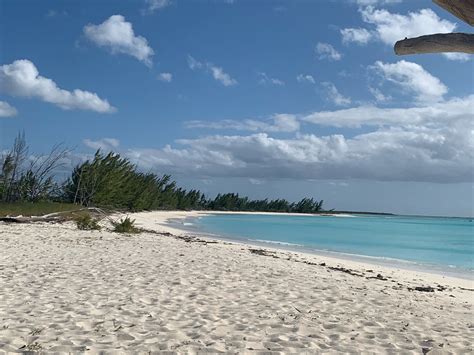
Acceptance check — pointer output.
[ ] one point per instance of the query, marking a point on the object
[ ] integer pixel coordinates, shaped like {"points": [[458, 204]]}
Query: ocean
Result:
{"points": [[432, 243]]}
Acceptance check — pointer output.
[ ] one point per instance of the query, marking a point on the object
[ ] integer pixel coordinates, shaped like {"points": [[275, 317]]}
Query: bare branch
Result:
{"points": [[436, 43]]}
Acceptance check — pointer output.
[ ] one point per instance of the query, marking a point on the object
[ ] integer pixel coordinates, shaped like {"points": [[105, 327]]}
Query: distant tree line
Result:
{"points": [[112, 181]]}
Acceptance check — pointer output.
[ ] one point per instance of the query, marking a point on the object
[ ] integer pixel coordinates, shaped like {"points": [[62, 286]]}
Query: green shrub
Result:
{"points": [[125, 225], [86, 222]]}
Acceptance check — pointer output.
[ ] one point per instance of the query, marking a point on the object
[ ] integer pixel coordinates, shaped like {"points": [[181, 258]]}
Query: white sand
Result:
{"points": [[67, 290]]}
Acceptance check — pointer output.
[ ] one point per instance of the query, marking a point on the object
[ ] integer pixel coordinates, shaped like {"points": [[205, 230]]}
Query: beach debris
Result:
{"points": [[378, 277], [427, 288], [345, 270], [422, 289], [263, 252]]}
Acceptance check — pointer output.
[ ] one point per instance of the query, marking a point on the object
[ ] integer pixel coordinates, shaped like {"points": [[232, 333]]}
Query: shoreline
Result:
{"points": [[66, 290], [166, 221]]}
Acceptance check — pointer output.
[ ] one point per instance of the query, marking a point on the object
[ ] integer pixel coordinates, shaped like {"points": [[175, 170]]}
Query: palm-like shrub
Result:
{"points": [[125, 225]]}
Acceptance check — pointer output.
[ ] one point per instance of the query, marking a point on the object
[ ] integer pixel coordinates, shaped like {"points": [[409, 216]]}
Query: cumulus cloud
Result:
{"points": [[217, 72], [105, 144], [117, 35], [305, 78], [441, 154], [334, 95], [21, 78], [278, 123], [413, 79], [155, 5], [264, 79], [356, 35], [327, 51], [6, 110], [166, 77], [433, 143], [391, 27]]}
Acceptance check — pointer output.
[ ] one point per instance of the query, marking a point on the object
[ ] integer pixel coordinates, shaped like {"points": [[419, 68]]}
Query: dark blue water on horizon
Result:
{"points": [[442, 242]]}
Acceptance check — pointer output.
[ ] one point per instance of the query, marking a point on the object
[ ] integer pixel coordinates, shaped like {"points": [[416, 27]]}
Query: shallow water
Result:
{"points": [[446, 243]]}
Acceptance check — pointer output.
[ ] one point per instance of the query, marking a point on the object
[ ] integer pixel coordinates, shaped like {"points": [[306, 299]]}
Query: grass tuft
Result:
{"points": [[84, 221], [125, 225]]}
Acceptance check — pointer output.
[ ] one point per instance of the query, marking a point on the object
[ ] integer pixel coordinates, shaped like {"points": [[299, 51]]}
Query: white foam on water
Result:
{"points": [[275, 242]]}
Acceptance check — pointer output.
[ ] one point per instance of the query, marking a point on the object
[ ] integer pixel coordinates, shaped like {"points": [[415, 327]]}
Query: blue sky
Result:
{"points": [[266, 98]]}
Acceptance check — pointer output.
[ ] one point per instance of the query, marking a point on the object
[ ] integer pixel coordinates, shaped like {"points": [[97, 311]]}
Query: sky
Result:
{"points": [[265, 98]]}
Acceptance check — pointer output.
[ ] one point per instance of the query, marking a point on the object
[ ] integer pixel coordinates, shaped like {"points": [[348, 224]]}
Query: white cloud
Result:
{"points": [[21, 78], [264, 79], [413, 79], [305, 78], [440, 154], [326, 51], [392, 27], [155, 5], [217, 72], [460, 57], [379, 96], [6, 110], [105, 144], [433, 143], [334, 95], [117, 35], [356, 35], [442, 113], [220, 75], [166, 77], [193, 63], [279, 123]]}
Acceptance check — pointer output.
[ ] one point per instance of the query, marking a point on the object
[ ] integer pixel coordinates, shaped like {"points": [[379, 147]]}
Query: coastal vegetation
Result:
{"points": [[125, 225], [85, 221], [113, 182]]}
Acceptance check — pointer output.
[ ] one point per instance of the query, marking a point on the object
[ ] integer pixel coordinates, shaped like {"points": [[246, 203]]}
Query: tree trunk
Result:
{"points": [[462, 9]]}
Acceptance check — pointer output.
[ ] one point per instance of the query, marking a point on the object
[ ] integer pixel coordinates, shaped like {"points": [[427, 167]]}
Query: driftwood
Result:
{"points": [[462, 9], [437, 43], [55, 217], [31, 219]]}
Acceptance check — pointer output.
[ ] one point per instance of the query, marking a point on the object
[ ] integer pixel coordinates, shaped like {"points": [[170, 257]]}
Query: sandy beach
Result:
{"points": [[66, 290]]}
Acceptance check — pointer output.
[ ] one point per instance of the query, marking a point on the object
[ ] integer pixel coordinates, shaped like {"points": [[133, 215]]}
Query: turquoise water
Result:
{"points": [[442, 242]]}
